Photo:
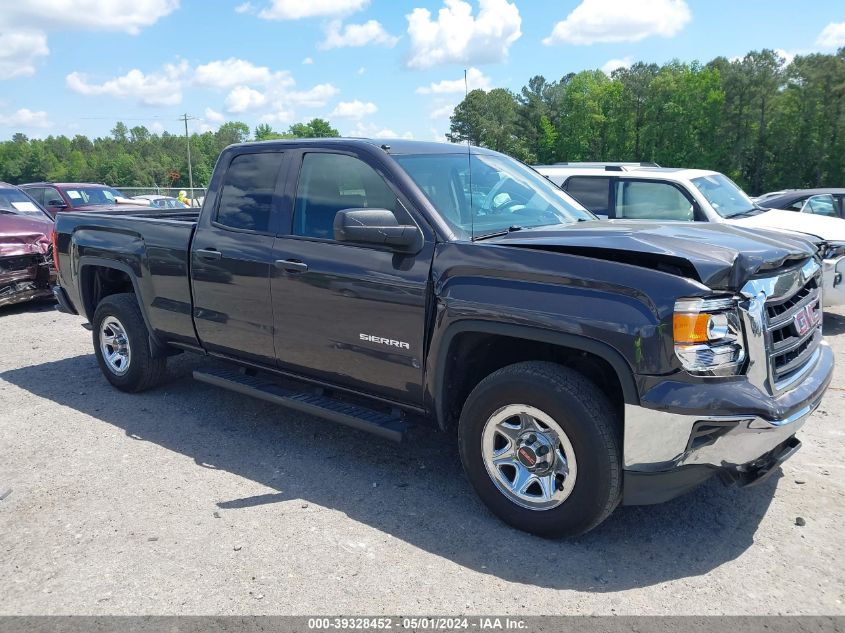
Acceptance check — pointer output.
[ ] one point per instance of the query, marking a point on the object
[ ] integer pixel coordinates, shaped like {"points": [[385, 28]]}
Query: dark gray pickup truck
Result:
{"points": [[577, 363]]}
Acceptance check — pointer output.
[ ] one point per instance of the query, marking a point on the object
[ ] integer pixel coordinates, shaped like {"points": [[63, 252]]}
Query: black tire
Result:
{"points": [[144, 371], [583, 413]]}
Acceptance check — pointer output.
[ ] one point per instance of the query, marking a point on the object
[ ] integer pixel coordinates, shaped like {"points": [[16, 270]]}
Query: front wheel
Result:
{"points": [[122, 344], [540, 446]]}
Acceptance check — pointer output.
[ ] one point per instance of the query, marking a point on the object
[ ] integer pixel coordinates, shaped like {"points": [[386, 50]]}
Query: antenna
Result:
{"points": [[469, 165]]}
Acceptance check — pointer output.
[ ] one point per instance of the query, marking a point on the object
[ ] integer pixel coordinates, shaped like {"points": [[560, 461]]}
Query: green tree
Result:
{"points": [[315, 128], [232, 132]]}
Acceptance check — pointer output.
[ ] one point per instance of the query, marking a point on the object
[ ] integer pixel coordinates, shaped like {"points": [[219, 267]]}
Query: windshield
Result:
{"points": [[86, 196], [724, 195], [17, 202], [499, 193]]}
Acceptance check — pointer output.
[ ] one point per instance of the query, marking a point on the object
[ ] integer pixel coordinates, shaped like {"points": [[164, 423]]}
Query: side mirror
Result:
{"points": [[378, 227], [59, 204]]}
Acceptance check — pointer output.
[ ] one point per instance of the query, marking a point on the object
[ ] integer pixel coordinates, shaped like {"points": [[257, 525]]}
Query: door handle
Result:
{"points": [[292, 265], [209, 253]]}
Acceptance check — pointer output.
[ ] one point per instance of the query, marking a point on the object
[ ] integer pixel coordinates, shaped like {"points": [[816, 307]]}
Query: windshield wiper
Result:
{"points": [[485, 236], [747, 214]]}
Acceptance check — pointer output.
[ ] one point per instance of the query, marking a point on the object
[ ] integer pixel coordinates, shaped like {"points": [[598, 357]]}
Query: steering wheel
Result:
{"points": [[505, 206]]}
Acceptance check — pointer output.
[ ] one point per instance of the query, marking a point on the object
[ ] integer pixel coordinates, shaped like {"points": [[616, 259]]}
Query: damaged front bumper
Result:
{"points": [[26, 278], [731, 429]]}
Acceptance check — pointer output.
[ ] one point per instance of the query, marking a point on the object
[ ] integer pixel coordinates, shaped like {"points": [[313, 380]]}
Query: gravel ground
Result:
{"points": [[191, 500]]}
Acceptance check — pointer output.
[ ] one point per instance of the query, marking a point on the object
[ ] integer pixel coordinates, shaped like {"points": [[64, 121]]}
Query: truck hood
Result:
{"points": [[23, 236], [721, 257], [826, 228]]}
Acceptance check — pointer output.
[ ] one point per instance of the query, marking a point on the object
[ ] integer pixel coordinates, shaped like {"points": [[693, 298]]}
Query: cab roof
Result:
{"points": [[647, 172], [393, 146]]}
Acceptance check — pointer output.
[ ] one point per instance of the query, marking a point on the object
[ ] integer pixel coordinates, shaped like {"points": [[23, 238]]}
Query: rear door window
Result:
{"points": [[647, 200], [246, 198], [592, 192]]}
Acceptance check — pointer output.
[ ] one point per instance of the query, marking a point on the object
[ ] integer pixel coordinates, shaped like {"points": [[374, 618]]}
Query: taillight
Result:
{"points": [[55, 240]]}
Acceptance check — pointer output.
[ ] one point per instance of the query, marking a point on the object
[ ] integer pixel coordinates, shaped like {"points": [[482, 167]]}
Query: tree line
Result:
{"points": [[766, 123], [134, 157]]}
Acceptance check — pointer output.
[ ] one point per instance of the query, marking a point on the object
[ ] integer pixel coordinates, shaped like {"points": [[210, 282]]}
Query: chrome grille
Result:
{"points": [[788, 347]]}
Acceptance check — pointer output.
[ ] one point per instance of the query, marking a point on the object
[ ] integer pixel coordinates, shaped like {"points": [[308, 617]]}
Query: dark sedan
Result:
{"points": [[808, 200]]}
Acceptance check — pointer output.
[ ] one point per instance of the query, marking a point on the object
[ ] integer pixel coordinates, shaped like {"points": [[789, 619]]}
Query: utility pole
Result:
{"points": [[186, 118]]}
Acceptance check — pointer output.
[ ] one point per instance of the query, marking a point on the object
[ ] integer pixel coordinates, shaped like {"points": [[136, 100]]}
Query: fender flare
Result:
{"points": [[597, 348], [157, 348]]}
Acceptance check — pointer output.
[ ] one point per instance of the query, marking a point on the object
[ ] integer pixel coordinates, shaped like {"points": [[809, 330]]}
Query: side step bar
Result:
{"points": [[389, 427]]}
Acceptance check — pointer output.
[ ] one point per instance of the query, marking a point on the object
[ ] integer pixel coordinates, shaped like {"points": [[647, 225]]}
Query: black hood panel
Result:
{"points": [[720, 256]]}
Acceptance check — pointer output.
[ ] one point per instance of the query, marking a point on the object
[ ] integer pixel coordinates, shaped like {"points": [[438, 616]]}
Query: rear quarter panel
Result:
{"points": [[153, 251]]}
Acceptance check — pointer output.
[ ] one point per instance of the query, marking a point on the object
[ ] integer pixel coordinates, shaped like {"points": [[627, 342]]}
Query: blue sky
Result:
{"points": [[372, 67]]}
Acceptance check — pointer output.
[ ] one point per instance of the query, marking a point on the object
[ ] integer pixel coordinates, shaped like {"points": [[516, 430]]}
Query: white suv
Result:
{"points": [[633, 191]]}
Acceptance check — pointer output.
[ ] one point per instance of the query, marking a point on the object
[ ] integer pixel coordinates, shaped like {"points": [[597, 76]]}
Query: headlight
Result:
{"points": [[708, 336]]}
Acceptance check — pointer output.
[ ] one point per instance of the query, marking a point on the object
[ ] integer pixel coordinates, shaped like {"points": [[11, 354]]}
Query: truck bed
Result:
{"points": [[151, 244]]}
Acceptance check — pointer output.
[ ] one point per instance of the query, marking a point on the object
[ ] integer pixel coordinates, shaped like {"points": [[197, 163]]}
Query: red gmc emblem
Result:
{"points": [[527, 456], [804, 320]]}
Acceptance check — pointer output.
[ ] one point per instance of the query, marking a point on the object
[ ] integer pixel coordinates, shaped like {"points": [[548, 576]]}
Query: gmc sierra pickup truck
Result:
{"points": [[578, 363]]}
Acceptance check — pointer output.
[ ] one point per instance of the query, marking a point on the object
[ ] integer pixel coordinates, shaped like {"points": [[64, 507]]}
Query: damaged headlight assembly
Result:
{"points": [[832, 250], [708, 336]]}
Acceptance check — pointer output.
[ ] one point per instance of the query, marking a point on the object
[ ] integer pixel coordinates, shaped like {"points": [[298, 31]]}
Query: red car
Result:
{"points": [[26, 257], [76, 196]]}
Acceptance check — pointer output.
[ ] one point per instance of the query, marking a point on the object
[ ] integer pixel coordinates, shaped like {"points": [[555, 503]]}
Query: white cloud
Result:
{"points": [[361, 70], [356, 35], [354, 109], [280, 116], [442, 112], [620, 21], [371, 130], [89, 15], [615, 64], [243, 99], [832, 36], [156, 128], [26, 118], [162, 88], [232, 72], [315, 97], [788, 56], [20, 51], [475, 79], [246, 7], [24, 25], [298, 9], [457, 36], [213, 116], [307, 61]]}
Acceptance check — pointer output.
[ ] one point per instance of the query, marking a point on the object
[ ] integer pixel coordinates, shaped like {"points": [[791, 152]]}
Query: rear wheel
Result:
{"points": [[122, 344], [540, 445]]}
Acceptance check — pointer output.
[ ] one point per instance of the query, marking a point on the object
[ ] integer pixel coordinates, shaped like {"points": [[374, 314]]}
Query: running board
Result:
{"points": [[362, 418]]}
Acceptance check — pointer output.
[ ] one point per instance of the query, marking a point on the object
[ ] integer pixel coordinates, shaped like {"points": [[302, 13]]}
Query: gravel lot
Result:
{"points": [[190, 500]]}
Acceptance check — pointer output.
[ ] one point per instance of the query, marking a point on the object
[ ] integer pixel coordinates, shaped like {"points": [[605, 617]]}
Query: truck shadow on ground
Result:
{"points": [[833, 324], [415, 492]]}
